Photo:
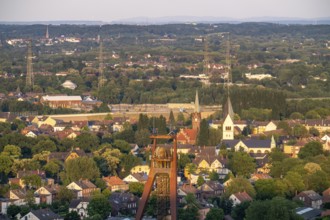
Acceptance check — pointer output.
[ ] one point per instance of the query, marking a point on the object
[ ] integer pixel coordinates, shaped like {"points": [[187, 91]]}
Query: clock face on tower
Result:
{"points": [[196, 119]]}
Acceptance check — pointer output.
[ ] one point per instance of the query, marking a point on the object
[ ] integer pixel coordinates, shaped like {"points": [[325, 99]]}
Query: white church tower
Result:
{"points": [[228, 123]]}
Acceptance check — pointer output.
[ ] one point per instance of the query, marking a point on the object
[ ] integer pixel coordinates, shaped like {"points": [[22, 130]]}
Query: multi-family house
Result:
{"points": [[47, 194], [79, 206], [310, 199], [41, 214], [136, 177], [238, 198], [82, 188], [123, 202], [114, 183], [211, 189]]}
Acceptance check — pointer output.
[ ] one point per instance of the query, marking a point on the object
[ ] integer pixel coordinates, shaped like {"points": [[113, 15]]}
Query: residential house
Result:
{"points": [[79, 206], [238, 198], [259, 176], [326, 196], [47, 194], [15, 197], [41, 214], [40, 120], [322, 125], [259, 127], [88, 104], [82, 188], [46, 129], [65, 156], [136, 177], [78, 125], [30, 128], [32, 134], [186, 189], [187, 136], [123, 203], [310, 199], [141, 169], [211, 189], [61, 126], [118, 123], [114, 183], [68, 133], [22, 173], [292, 148]]}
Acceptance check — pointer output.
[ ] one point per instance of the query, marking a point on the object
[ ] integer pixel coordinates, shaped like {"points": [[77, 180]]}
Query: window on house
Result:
{"points": [[228, 128]]}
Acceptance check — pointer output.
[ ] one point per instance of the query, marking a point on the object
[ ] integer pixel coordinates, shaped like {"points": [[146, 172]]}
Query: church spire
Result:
{"points": [[228, 109], [197, 108], [47, 33]]}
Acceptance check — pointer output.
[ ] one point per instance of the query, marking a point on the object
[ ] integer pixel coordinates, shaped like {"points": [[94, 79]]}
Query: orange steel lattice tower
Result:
{"points": [[163, 172]]}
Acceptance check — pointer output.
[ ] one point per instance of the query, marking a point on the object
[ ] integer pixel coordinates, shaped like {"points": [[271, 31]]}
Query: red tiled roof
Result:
{"points": [[187, 135], [113, 180]]}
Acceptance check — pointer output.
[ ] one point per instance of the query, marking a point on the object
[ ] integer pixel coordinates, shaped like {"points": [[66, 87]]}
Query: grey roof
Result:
{"points": [[312, 195], [75, 202], [46, 214], [250, 143], [256, 143], [230, 143], [308, 213]]}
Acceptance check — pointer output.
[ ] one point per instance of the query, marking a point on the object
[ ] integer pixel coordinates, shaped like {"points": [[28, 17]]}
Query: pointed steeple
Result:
{"points": [[47, 33], [197, 108], [228, 109]]}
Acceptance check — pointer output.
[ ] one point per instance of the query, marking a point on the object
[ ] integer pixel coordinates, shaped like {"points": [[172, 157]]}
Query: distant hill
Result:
{"points": [[53, 22], [182, 19], [191, 19]]}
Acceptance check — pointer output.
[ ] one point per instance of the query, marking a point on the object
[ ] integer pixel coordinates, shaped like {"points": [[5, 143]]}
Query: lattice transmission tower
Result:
{"points": [[29, 70]]}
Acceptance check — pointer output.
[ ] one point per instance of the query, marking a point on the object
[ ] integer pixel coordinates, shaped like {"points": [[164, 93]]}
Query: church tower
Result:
{"points": [[228, 123], [196, 116]]}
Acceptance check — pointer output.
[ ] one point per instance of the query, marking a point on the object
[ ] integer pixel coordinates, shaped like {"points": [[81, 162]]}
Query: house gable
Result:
{"points": [[73, 186]]}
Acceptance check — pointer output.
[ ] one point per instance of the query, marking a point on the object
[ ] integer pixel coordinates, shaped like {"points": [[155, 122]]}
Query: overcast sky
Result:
{"points": [[110, 10]]}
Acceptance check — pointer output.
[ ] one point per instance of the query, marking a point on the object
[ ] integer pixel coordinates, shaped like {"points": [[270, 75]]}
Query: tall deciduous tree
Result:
{"points": [[87, 141], [214, 214], [99, 204], [240, 185], [277, 208], [242, 164], [12, 151], [311, 149], [142, 137], [5, 165], [80, 168], [294, 182]]}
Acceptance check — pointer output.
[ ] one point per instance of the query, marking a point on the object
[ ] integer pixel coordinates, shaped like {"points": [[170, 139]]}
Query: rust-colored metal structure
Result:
{"points": [[163, 172]]}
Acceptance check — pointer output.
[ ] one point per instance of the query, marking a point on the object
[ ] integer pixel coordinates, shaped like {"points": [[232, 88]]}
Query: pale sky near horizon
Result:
{"points": [[110, 10]]}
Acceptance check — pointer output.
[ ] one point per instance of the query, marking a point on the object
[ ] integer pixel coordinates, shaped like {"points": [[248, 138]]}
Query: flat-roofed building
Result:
{"points": [[73, 102]]}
